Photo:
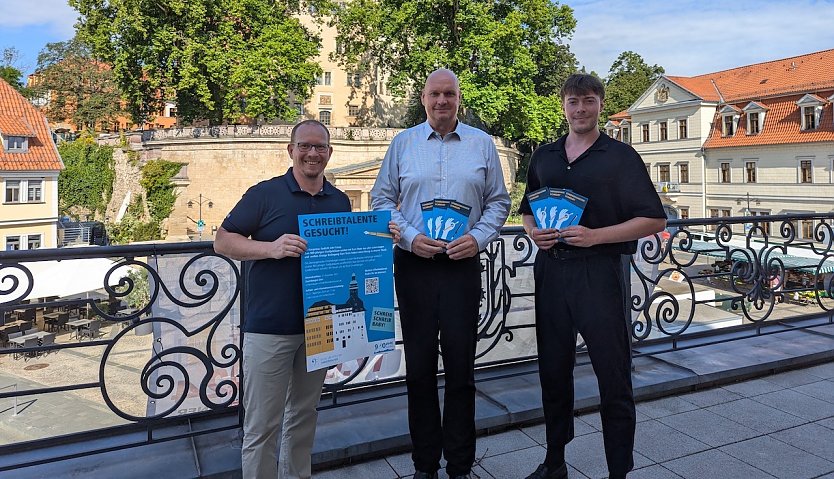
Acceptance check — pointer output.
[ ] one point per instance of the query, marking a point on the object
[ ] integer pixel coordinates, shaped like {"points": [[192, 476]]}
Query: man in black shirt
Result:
{"points": [[579, 278], [280, 396]]}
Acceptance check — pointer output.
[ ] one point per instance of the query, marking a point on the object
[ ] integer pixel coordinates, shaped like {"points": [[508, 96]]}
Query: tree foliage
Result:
{"points": [[627, 79], [78, 87], [159, 191], [85, 185], [10, 70], [509, 54], [221, 60]]}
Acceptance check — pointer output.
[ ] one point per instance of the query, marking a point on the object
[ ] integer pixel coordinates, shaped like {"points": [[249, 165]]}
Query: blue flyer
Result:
{"points": [[457, 221], [348, 283]]}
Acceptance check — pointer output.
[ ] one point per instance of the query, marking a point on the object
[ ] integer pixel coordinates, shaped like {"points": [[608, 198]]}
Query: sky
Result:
{"points": [[685, 37]]}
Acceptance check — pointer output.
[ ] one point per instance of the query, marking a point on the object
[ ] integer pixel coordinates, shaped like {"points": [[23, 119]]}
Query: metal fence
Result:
{"points": [[174, 353]]}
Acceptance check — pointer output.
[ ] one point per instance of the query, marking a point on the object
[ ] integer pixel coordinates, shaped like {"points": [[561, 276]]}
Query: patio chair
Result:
{"points": [[25, 325], [30, 331], [47, 340], [28, 343], [6, 332], [61, 322], [93, 330]]}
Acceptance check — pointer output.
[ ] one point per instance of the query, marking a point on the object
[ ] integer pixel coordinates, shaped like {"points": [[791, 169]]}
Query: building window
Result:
{"points": [[682, 133], [809, 118], [808, 229], [663, 173], [729, 125], [648, 169], [805, 172], [725, 172], [684, 212], [16, 143], [328, 78], [683, 172], [753, 123], [354, 79], [726, 213], [34, 191], [324, 117], [750, 171], [12, 191], [646, 133], [626, 137], [299, 108], [33, 241], [713, 213], [12, 243], [353, 110], [664, 131], [325, 100]]}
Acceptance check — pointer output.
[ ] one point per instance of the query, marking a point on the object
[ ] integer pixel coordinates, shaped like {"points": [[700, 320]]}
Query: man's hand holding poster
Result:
{"points": [[348, 284]]}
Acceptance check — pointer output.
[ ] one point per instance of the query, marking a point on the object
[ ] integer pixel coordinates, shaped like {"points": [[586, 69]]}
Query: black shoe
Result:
{"points": [[544, 472], [464, 476], [424, 475]]}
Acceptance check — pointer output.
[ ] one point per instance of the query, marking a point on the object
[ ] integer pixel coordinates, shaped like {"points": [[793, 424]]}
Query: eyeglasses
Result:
{"points": [[305, 147]]}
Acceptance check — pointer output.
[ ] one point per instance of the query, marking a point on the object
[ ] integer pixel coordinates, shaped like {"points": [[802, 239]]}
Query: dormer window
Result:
{"points": [[729, 120], [755, 117], [626, 137], [810, 111], [611, 130], [16, 144]]}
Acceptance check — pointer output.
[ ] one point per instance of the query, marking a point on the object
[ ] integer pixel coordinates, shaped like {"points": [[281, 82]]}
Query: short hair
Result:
{"points": [[309, 122], [582, 84]]}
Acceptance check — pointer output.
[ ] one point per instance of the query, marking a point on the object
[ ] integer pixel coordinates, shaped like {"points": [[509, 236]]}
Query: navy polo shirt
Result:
{"points": [[274, 302], [611, 174]]}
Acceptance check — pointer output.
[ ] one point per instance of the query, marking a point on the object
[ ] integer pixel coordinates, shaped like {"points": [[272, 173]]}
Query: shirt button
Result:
{"points": [[569, 167]]}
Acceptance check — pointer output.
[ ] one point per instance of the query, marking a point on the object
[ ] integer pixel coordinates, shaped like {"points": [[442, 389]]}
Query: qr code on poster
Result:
{"points": [[372, 285]]}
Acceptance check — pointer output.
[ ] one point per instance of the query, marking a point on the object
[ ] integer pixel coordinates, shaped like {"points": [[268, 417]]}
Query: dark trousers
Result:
{"points": [[585, 294], [439, 297]]}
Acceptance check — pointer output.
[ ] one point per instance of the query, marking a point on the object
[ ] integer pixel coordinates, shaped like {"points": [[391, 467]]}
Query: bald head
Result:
{"points": [[441, 98]]}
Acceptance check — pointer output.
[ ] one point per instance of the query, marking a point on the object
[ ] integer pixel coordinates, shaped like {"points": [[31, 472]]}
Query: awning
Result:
{"points": [[791, 262]]}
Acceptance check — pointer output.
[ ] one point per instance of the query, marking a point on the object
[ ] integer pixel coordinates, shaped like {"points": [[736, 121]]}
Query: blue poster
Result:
{"points": [[348, 283]]}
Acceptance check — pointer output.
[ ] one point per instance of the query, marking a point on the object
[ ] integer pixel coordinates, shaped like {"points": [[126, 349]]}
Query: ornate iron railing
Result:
{"points": [[696, 278]]}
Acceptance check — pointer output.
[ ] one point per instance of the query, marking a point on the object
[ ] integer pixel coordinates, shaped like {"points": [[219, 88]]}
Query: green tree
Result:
{"points": [[10, 70], [85, 185], [504, 52], [159, 191], [79, 88], [627, 79], [220, 60]]}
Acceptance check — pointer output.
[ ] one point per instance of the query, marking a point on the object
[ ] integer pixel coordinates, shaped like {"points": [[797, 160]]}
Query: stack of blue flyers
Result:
{"points": [[556, 207], [445, 220]]}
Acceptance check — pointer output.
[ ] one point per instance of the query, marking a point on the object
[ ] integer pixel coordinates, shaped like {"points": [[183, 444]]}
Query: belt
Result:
{"points": [[565, 254]]}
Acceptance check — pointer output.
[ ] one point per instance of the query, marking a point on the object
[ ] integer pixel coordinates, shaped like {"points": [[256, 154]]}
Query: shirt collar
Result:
{"points": [[428, 132], [600, 144], [326, 189]]}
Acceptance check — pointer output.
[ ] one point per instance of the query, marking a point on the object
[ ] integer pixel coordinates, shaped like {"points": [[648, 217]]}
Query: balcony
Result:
{"points": [[153, 392]]}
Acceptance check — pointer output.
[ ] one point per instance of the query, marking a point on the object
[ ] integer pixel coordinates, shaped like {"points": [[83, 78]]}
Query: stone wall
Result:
{"points": [[223, 162]]}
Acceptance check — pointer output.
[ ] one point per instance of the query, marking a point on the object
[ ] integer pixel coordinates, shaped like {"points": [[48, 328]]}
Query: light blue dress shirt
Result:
{"points": [[421, 166]]}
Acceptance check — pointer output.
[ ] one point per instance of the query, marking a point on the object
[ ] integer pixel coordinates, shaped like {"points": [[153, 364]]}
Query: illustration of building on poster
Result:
{"points": [[348, 284]]}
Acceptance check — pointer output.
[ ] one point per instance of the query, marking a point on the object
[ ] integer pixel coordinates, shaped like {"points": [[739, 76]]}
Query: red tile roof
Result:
{"points": [[801, 74], [19, 118], [782, 124]]}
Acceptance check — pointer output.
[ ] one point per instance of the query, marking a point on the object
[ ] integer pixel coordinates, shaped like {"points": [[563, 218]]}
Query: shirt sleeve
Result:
{"points": [[496, 200], [245, 217], [385, 195], [637, 191]]}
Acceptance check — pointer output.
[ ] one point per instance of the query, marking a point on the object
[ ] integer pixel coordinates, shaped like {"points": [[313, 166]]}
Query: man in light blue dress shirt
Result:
{"points": [[438, 284]]}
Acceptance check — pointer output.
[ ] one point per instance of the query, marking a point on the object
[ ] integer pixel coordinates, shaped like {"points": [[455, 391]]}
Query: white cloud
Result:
{"points": [[690, 37], [56, 15]]}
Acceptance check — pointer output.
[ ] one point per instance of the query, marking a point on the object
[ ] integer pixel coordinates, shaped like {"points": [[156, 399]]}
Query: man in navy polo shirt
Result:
{"points": [[279, 395]]}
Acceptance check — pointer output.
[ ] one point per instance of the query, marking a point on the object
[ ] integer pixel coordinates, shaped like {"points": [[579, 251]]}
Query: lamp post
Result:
{"points": [[200, 223], [747, 211]]}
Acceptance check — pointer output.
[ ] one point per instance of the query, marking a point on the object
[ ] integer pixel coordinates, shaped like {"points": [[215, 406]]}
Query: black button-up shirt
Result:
{"points": [[610, 174]]}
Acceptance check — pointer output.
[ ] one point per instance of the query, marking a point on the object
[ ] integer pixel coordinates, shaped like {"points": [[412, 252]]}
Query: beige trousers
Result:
{"points": [[279, 400]]}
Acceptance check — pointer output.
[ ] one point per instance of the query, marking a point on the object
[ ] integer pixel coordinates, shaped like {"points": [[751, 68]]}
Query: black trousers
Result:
{"points": [[439, 297], [585, 294]]}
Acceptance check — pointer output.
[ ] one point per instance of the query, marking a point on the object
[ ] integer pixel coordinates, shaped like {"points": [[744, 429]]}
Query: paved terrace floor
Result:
{"points": [[754, 407], [780, 426]]}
